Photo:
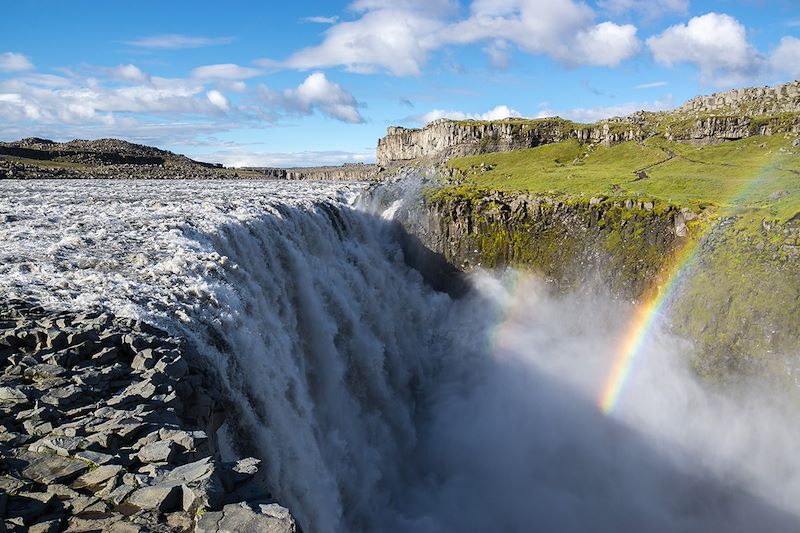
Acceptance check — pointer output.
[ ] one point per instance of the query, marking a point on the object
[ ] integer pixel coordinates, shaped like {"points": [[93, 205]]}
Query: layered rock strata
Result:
{"points": [[716, 118], [105, 425], [739, 300], [783, 98], [356, 172]]}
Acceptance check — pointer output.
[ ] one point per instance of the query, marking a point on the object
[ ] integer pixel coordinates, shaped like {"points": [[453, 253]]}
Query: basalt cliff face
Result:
{"points": [[571, 242], [719, 117], [356, 172], [739, 302], [783, 98]]}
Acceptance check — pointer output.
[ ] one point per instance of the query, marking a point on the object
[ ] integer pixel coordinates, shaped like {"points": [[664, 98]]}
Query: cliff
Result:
{"points": [[753, 101], [352, 172], [739, 301], [720, 117]]}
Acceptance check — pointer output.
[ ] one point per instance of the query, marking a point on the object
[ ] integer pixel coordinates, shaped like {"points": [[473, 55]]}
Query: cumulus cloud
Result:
{"points": [[399, 36], [218, 99], [393, 39], [224, 71], [129, 73], [497, 113], [606, 44], [716, 43], [92, 100], [174, 41], [12, 62], [564, 31], [242, 157], [786, 57], [318, 93], [594, 114]]}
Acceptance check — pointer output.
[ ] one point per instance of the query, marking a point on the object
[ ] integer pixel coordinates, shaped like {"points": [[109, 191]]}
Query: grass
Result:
{"points": [[742, 299], [81, 167], [760, 172], [50, 163]]}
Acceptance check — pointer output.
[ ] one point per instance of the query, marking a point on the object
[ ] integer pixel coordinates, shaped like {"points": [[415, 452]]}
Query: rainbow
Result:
{"points": [[646, 313], [643, 318]]}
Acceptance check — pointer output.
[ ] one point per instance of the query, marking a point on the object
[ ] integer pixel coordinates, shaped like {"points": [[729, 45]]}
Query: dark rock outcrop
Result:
{"points": [[349, 172], [106, 426]]}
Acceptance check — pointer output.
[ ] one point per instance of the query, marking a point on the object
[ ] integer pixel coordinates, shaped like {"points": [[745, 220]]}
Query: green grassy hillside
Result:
{"points": [[761, 172]]}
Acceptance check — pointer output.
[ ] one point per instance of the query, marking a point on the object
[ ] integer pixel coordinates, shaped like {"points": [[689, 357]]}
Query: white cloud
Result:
{"points": [[562, 30], [716, 43], [593, 114], [129, 73], [499, 54], [390, 39], [11, 62], [126, 90], [606, 44], [498, 113], [316, 93], [399, 36], [241, 157], [322, 20], [224, 71], [218, 99], [652, 85], [175, 41], [786, 58]]}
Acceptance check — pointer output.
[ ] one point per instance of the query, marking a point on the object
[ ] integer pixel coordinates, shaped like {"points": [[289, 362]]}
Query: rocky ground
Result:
{"points": [[35, 158], [105, 425]]}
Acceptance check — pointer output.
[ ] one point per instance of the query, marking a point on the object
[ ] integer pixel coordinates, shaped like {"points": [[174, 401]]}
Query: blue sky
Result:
{"points": [[300, 83]]}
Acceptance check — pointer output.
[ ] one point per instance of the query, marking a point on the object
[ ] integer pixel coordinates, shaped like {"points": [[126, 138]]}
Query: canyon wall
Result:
{"points": [[716, 118], [752, 101], [738, 301], [357, 172]]}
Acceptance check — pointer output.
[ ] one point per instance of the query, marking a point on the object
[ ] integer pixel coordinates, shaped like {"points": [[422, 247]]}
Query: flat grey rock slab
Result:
{"points": [[158, 452], [162, 498], [47, 469], [248, 518], [97, 476]]}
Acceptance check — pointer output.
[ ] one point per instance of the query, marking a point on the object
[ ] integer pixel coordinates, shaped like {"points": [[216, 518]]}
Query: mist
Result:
{"points": [[381, 394], [516, 441]]}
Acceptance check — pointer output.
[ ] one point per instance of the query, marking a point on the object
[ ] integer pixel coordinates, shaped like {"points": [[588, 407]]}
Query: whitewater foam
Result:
{"points": [[380, 404]]}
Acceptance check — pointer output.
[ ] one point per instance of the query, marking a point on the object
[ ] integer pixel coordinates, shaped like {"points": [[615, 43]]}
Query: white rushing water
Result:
{"points": [[380, 404]]}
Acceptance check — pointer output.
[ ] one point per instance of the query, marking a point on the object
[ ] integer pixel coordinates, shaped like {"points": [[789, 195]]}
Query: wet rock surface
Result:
{"points": [[105, 425]]}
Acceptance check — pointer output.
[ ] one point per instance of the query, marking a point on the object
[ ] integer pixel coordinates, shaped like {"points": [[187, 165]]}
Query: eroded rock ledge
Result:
{"points": [[105, 425], [716, 118]]}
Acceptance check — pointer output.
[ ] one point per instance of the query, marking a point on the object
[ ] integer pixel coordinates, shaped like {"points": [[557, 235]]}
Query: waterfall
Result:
{"points": [[380, 392]]}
